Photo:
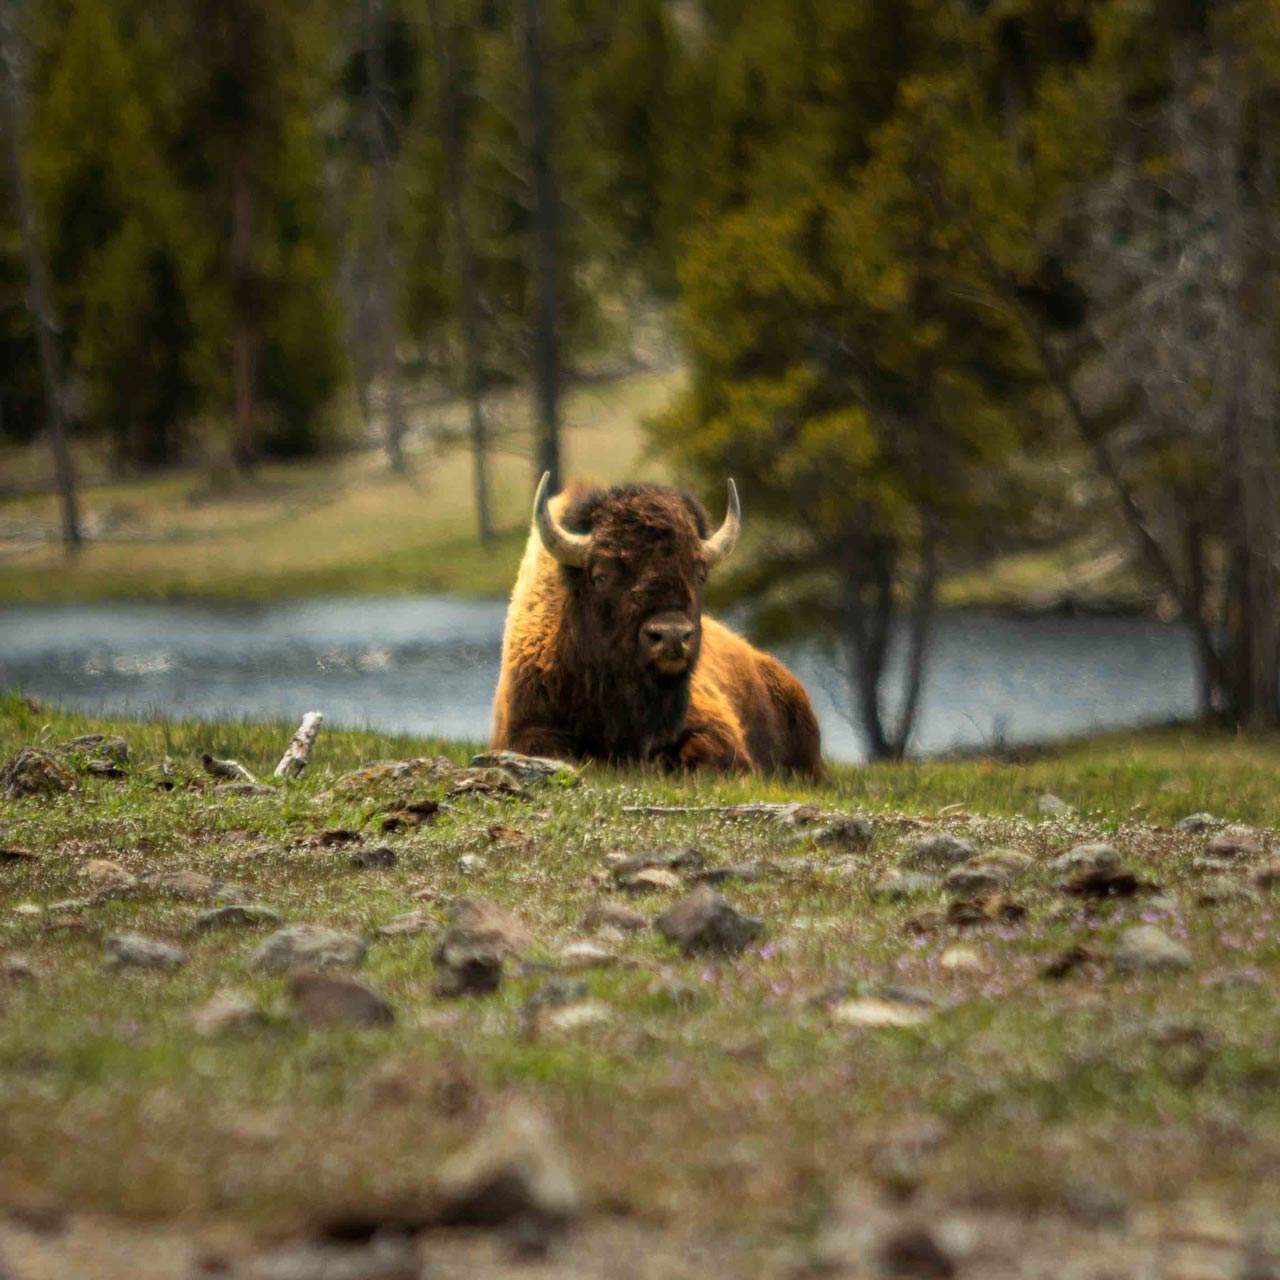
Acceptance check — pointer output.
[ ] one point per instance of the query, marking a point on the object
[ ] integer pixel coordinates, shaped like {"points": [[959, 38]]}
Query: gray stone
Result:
{"points": [[527, 769], [847, 833], [233, 789], [1011, 863], [937, 852], [1235, 842], [379, 857], [970, 881], [228, 1011], [705, 921], [1146, 949], [1086, 857], [194, 885], [408, 925], [1196, 823], [131, 950], [1218, 890], [237, 913], [904, 888], [1052, 806], [615, 915], [515, 1167], [307, 944], [321, 1000]]}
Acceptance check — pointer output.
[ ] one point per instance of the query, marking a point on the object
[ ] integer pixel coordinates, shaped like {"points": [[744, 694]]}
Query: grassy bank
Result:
{"points": [[741, 1100], [333, 525]]}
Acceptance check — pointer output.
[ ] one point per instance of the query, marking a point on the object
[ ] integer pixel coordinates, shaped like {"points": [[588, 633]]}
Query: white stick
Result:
{"points": [[298, 752]]}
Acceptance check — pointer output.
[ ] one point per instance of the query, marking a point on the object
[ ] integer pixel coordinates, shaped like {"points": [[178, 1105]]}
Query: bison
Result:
{"points": [[607, 653]]}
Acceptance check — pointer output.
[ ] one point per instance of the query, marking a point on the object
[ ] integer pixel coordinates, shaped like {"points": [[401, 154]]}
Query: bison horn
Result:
{"points": [[569, 548], [720, 545]]}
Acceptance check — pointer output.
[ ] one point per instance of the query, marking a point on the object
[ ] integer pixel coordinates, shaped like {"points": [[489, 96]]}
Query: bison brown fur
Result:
{"points": [[608, 655]]}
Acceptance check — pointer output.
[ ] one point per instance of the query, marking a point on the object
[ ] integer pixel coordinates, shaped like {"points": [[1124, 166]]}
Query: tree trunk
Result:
{"points": [[921, 625], [39, 294], [539, 132], [381, 167], [244, 339], [867, 610], [454, 138]]}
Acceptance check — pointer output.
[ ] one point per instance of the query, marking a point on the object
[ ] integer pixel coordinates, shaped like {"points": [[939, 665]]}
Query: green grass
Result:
{"points": [[735, 1097], [341, 524]]}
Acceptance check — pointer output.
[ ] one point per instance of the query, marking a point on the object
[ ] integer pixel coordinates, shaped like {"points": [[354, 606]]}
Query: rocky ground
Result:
{"points": [[440, 1017]]}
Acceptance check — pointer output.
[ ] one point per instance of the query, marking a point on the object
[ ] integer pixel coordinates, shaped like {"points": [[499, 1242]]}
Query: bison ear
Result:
{"points": [[567, 547], [720, 545]]}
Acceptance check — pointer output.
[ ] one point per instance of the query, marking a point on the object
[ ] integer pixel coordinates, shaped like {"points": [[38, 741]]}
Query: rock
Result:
{"points": [[969, 881], [15, 967], [1008, 862], [578, 1015], [466, 968], [98, 746], [35, 773], [900, 888], [197, 887], [472, 864], [1050, 806], [1196, 823], [379, 857], [622, 866], [937, 852], [228, 1011], [228, 770], [321, 1000], [406, 814], [851, 833], [132, 951], [1235, 842], [1146, 949], [1267, 876], [107, 876], [486, 782], [1107, 882], [479, 938], [234, 789], [961, 960], [744, 871], [311, 945], [1071, 961], [1085, 857], [334, 836], [515, 1167], [237, 913], [1216, 890], [614, 915], [584, 955], [408, 925], [650, 880], [705, 921], [910, 1250], [476, 919], [869, 1011], [433, 769], [528, 770]]}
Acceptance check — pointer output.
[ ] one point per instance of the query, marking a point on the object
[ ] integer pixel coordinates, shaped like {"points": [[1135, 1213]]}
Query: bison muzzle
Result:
{"points": [[608, 655]]}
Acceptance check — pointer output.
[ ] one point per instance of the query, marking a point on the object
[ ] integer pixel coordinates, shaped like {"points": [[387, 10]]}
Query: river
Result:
{"points": [[427, 665]]}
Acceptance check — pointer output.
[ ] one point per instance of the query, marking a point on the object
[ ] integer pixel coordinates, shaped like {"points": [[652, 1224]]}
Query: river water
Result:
{"points": [[428, 665]]}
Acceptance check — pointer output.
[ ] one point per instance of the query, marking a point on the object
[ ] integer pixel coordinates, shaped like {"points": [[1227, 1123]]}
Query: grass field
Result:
{"points": [[726, 1112], [342, 524]]}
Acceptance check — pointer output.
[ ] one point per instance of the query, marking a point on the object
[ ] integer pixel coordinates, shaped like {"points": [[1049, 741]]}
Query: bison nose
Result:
{"points": [[668, 635]]}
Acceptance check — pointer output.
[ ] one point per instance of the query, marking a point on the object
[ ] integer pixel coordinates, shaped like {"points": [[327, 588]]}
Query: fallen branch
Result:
{"points": [[298, 751]]}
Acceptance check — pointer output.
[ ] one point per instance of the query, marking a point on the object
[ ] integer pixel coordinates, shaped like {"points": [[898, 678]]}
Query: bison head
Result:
{"points": [[636, 559]]}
